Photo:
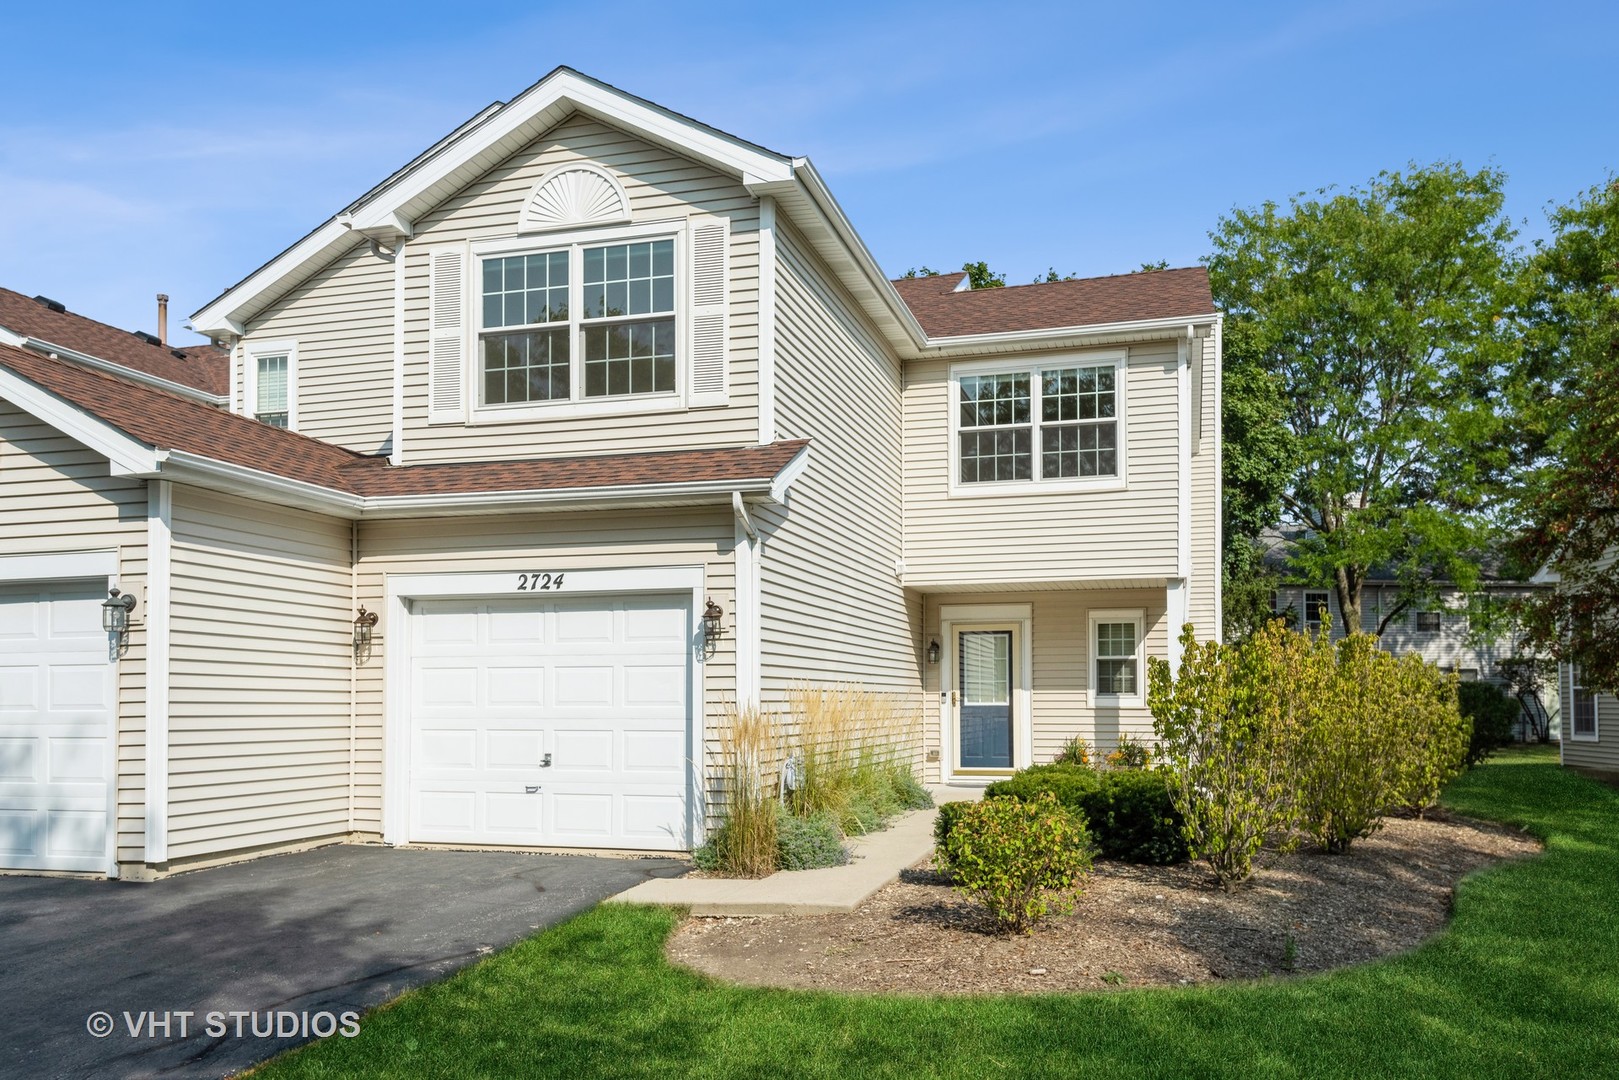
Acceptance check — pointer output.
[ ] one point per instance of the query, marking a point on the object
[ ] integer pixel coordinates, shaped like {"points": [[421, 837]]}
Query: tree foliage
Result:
{"points": [[1376, 312], [979, 275], [1568, 421]]}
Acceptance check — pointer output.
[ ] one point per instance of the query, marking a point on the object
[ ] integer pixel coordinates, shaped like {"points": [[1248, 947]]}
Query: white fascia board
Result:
{"points": [[1062, 335], [224, 316], [788, 473], [257, 484], [127, 456], [566, 88], [114, 368], [15, 340], [807, 182], [716, 491]]}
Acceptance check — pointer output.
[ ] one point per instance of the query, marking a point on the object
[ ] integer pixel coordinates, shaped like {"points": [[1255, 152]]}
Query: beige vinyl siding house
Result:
{"points": [[259, 725], [833, 605], [604, 424]]}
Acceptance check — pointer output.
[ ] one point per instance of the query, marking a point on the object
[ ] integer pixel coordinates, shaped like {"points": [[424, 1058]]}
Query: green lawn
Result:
{"points": [[1525, 983]]}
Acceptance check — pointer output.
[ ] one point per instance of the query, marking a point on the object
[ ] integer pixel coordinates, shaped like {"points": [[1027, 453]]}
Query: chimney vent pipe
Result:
{"points": [[163, 318]]}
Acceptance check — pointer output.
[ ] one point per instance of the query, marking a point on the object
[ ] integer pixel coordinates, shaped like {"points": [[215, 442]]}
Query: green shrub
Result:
{"points": [[808, 843], [1075, 751], [949, 814], [1020, 859], [1223, 744], [1132, 817], [1492, 714], [1128, 812]]}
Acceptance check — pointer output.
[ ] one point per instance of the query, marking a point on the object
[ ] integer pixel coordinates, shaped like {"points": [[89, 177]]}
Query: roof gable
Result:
{"points": [[392, 208]]}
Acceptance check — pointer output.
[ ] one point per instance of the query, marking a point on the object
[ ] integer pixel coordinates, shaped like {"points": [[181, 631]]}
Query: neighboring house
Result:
{"points": [[1590, 736], [583, 426]]}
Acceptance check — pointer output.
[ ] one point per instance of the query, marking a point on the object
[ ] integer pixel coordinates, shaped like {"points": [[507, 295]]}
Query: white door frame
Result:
{"points": [[100, 567], [1020, 618], [402, 589]]}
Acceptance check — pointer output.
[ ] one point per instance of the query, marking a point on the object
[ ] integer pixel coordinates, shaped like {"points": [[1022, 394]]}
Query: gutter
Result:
{"points": [[970, 342]]}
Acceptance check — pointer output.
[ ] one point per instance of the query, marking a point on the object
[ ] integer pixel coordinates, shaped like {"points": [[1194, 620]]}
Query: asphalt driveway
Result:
{"points": [[259, 948]]}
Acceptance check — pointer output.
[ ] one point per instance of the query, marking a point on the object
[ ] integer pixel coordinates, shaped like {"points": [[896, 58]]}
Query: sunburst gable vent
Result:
{"points": [[572, 195]]}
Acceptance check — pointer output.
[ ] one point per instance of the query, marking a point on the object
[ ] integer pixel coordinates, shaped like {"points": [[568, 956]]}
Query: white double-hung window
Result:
{"points": [[1058, 424], [270, 382], [1117, 639], [587, 321], [596, 321]]}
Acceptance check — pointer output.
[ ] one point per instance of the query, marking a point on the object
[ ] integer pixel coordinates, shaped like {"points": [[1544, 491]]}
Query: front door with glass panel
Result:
{"points": [[984, 681]]}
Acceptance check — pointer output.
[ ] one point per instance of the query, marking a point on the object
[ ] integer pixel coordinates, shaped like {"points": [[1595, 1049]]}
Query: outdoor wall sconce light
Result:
{"points": [[933, 651], [363, 624], [115, 611], [712, 614]]}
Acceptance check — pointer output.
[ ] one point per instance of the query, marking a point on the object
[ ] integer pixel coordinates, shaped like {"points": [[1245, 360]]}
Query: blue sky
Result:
{"points": [[174, 147]]}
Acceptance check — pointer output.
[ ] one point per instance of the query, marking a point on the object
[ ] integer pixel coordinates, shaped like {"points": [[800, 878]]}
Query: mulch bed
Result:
{"points": [[1134, 926]]}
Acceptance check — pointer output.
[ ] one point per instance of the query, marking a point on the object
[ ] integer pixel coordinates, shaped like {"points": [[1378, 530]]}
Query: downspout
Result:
{"points": [[746, 604], [354, 663]]}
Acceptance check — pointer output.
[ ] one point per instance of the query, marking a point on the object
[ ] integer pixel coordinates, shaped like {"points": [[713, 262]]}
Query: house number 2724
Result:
{"points": [[532, 582]]}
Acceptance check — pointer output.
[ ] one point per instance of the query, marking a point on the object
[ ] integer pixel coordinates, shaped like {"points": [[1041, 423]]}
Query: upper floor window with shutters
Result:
{"points": [[588, 321], [597, 321], [1057, 425]]}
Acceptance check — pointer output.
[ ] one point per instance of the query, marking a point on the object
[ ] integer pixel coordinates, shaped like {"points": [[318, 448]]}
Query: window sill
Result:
{"points": [[571, 410], [1001, 489], [1115, 701]]}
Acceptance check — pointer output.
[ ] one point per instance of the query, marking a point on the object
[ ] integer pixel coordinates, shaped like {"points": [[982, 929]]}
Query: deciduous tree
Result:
{"points": [[1378, 313]]}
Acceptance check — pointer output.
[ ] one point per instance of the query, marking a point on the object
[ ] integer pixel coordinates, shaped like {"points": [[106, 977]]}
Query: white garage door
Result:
{"points": [[551, 723], [56, 728]]}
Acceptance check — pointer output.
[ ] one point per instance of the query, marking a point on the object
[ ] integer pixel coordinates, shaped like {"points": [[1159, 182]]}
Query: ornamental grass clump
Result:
{"points": [[745, 844], [856, 753], [1020, 859]]}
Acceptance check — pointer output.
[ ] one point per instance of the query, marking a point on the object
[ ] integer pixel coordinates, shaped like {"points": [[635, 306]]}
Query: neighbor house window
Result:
{"points": [[585, 321], [270, 390], [1039, 425], [1428, 622], [1315, 612], [1582, 706], [1116, 661]]}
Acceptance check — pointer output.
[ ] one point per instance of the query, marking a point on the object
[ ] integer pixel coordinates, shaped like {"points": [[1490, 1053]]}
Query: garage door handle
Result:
{"points": [[545, 762], [534, 790]]}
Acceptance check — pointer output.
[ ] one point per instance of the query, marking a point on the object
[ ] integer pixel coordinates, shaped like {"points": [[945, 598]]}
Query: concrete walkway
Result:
{"points": [[875, 860]]}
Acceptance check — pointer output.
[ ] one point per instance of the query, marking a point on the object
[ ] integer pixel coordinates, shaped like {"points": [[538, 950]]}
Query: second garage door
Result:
{"points": [[551, 723]]}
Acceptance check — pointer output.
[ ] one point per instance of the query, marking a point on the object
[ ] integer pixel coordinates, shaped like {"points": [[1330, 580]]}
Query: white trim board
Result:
{"points": [[402, 589], [159, 563]]}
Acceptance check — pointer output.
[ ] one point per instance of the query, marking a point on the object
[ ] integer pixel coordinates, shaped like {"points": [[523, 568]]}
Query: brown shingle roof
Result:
{"points": [[1161, 294], [201, 366], [169, 421]]}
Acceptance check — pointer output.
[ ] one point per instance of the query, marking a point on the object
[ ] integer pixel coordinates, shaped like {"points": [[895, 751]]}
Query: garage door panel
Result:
{"points": [[600, 684], [518, 684], [577, 626], [57, 698], [20, 760], [19, 691], [584, 686], [78, 688], [514, 748]]}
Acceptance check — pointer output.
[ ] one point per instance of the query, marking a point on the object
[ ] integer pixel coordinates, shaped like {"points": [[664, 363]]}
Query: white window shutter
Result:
{"points": [[447, 337], [708, 334]]}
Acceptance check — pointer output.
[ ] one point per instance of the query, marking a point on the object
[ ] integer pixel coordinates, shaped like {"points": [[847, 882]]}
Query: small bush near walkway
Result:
{"points": [[1021, 859], [1128, 812]]}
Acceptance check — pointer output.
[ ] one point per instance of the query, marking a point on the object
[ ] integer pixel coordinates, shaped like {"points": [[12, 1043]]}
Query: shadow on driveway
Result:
{"points": [[339, 928]]}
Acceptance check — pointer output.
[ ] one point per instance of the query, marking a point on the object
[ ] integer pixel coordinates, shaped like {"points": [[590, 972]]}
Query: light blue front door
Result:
{"points": [[984, 683]]}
